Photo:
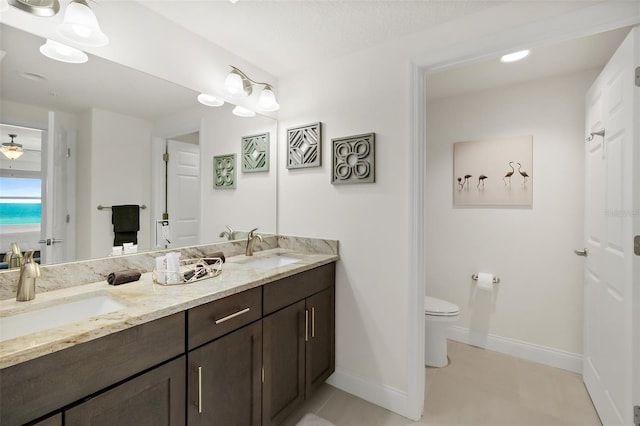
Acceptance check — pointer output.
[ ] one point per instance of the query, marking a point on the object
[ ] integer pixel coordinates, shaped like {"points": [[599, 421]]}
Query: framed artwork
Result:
{"points": [[255, 153], [224, 171], [353, 159], [495, 172], [304, 146]]}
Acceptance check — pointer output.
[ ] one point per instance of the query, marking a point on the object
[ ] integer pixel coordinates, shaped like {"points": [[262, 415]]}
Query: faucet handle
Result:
{"points": [[252, 232]]}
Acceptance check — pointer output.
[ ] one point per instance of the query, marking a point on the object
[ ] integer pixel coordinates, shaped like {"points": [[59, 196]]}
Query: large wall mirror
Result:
{"points": [[97, 134]]}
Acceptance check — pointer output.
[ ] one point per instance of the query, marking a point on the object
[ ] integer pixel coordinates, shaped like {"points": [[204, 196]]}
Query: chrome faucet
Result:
{"points": [[251, 240], [29, 271], [230, 234]]}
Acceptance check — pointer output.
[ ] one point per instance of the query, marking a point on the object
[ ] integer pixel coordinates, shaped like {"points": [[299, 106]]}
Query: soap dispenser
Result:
{"points": [[29, 271]]}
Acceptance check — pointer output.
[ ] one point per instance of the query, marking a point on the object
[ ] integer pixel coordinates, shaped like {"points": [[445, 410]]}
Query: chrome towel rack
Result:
{"points": [[496, 280], [101, 207]]}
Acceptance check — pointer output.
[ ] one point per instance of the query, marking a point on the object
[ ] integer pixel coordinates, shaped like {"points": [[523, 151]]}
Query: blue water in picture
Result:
{"points": [[20, 213]]}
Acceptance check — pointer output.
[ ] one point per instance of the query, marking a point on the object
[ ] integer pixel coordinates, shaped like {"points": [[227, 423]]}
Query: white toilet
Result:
{"points": [[438, 316]]}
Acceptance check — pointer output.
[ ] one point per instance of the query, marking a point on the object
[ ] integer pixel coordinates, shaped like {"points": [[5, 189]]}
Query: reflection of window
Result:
{"points": [[20, 201]]}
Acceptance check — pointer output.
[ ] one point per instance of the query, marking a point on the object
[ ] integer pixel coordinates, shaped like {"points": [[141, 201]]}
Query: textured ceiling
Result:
{"points": [[285, 36]]}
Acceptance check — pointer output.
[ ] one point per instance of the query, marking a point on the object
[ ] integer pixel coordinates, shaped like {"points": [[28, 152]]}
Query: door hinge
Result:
{"points": [[165, 157], [68, 152], [636, 415], [636, 245], [638, 76], [68, 218]]}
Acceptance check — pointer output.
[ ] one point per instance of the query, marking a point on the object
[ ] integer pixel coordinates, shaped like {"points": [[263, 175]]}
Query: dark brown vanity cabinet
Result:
{"points": [[153, 398], [299, 340], [247, 359], [225, 375]]}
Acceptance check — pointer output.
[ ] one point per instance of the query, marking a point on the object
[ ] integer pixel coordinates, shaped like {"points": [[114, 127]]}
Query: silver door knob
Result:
{"points": [[581, 252]]}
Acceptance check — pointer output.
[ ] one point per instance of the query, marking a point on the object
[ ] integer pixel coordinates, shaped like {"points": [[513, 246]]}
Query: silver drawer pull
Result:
{"points": [[306, 325], [235, 314], [199, 390], [313, 322]]}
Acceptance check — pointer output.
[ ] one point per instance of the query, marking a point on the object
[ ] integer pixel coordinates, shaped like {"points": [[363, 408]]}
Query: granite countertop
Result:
{"points": [[145, 301]]}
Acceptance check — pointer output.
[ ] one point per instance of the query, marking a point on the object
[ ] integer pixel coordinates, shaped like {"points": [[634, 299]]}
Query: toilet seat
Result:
{"points": [[438, 307]]}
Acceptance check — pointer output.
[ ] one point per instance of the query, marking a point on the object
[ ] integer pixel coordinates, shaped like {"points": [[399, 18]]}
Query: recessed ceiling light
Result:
{"points": [[33, 76], [516, 56]]}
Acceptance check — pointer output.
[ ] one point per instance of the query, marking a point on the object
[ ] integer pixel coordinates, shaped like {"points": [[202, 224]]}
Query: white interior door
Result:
{"points": [[58, 193], [608, 335], [183, 197]]}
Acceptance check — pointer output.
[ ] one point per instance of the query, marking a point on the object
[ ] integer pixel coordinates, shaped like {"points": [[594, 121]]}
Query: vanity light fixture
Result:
{"points": [[81, 26], [43, 8], [11, 150], [210, 100], [243, 112], [516, 56], [61, 52], [237, 84]]}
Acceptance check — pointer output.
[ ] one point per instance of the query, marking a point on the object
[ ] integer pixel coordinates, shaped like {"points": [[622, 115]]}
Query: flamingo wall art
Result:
{"points": [[493, 172]]}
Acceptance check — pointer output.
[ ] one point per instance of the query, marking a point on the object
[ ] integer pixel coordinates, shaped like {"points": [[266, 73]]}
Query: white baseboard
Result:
{"points": [[385, 396], [529, 351]]}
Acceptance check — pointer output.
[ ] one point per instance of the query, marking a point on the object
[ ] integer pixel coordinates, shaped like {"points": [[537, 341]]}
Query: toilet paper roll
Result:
{"points": [[485, 281]]}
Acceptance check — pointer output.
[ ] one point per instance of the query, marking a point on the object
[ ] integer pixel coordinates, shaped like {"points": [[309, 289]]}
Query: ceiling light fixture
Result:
{"points": [[243, 112], [516, 56], [210, 100], [61, 52], [11, 150], [81, 26], [237, 84]]}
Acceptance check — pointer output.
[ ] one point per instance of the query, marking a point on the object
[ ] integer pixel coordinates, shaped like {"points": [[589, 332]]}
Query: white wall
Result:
{"points": [[120, 174], [539, 299], [253, 202], [370, 220]]}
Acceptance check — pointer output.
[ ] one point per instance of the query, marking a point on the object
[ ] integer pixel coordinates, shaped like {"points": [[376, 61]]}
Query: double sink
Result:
{"points": [[93, 304]]}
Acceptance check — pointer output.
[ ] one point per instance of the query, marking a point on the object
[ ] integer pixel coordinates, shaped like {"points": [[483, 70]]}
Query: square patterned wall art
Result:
{"points": [[496, 172], [255, 153], [224, 171], [304, 146], [354, 159]]}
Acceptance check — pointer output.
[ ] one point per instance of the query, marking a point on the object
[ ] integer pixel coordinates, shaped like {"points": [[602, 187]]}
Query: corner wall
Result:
{"points": [[539, 300]]}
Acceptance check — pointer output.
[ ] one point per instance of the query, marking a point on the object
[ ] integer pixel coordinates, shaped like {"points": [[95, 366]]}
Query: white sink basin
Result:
{"points": [[63, 312], [270, 262]]}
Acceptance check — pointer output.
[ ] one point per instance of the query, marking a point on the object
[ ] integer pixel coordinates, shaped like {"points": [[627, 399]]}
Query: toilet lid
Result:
{"points": [[435, 306]]}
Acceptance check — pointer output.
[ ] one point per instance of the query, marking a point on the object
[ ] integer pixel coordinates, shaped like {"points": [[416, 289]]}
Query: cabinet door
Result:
{"points": [[283, 351], [320, 345], [154, 398], [225, 380]]}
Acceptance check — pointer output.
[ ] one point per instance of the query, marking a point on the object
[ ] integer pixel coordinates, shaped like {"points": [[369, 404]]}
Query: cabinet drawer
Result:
{"points": [[286, 291], [210, 321], [37, 387]]}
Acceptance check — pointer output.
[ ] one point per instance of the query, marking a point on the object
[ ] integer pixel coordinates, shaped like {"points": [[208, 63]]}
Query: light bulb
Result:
{"points": [[61, 52], [234, 84], [81, 26], [243, 112], [267, 101], [209, 100]]}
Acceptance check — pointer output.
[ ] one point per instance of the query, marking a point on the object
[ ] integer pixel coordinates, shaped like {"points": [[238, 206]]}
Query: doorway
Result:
{"points": [[483, 213]]}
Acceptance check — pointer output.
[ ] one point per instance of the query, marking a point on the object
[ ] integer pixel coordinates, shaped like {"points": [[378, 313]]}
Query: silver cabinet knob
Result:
{"points": [[582, 252]]}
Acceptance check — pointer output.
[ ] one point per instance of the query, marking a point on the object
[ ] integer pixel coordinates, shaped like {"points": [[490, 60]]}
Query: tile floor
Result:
{"points": [[479, 387]]}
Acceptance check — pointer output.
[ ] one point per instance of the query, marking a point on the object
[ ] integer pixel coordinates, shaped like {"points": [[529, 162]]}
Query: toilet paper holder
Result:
{"points": [[496, 280]]}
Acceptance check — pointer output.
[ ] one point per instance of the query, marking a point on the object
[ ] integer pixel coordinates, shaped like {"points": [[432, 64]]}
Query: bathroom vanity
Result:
{"points": [[244, 348]]}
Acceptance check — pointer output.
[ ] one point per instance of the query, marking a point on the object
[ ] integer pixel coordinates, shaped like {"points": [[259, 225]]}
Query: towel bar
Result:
{"points": [[101, 207], [496, 280]]}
